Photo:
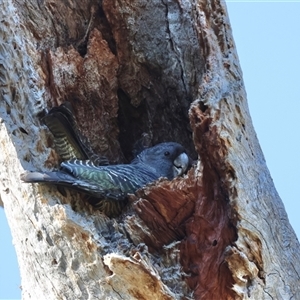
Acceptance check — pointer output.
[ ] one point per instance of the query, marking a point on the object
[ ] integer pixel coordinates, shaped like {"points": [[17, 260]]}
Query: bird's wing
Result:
{"points": [[126, 178], [110, 201], [107, 186], [63, 179], [110, 182]]}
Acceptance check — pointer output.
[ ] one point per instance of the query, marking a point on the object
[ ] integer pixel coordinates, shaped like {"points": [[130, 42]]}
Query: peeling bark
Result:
{"points": [[168, 69]]}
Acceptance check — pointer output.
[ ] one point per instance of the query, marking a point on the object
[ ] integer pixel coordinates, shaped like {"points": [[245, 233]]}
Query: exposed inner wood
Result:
{"points": [[168, 69]]}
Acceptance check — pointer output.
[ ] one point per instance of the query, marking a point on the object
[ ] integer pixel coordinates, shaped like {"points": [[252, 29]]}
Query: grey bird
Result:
{"points": [[108, 185]]}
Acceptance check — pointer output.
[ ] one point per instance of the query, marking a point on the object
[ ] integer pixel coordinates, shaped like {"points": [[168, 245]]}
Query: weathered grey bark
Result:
{"points": [[167, 68]]}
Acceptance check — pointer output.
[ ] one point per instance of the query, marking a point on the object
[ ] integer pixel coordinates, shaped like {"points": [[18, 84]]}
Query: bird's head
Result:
{"points": [[167, 159]]}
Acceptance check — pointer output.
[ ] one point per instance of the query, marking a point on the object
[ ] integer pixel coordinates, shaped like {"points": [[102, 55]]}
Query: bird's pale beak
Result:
{"points": [[181, 164]]}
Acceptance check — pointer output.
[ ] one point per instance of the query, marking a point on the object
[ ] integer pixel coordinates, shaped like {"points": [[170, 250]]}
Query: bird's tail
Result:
{"points": [[69, 142]]}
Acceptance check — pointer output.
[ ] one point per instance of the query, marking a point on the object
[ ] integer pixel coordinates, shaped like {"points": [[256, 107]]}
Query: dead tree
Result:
{"points": [[168, 69]]}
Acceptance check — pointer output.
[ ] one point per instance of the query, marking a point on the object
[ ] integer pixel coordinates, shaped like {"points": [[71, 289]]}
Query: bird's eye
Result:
{"points": [[167, 153]]}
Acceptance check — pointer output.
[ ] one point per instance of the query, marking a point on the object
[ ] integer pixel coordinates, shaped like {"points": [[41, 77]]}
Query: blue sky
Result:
{"points": [[268, 43]]}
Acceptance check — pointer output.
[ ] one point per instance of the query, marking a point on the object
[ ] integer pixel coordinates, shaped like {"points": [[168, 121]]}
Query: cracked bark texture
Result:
{"points": [[168, 69]]}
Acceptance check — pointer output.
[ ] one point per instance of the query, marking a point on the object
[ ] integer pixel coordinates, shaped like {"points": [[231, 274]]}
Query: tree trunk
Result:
{"points": [[168, 69]]}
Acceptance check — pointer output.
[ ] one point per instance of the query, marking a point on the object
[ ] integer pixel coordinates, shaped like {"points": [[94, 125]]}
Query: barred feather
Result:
{"points": [[69, 142], [128, 178]]}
